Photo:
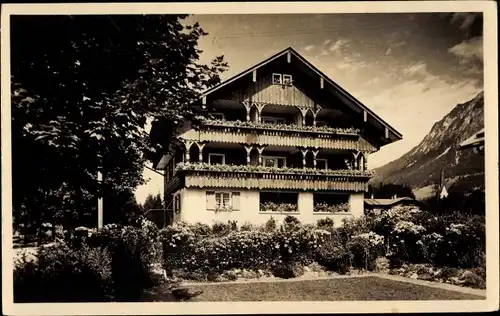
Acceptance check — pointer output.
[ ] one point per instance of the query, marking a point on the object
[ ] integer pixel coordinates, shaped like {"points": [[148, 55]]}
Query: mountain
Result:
{"points": [[420, 168]]}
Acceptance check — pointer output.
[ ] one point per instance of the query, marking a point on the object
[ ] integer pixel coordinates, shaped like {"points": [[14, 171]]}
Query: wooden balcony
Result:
{"points": [[266, 134], [253, 177]]}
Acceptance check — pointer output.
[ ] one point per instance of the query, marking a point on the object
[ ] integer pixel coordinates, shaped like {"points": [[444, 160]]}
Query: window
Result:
{"points": [[223, 200], [219, 116], [321, 164], [287, 80], [216, 159], [273, 120], [278, 162], [321, 123], [276, 78]]}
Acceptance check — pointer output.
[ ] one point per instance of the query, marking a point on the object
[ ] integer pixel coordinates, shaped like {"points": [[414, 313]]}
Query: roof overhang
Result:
{"points": [[392, 134], [474, 141]]}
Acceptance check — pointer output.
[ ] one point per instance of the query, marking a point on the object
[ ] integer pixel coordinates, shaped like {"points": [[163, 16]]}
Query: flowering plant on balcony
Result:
{"points": [[335, 208], [221, 208], [255, 169], [283, 127], [279, 207]]}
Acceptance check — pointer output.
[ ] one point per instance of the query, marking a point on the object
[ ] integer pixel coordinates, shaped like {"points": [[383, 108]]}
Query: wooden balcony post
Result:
{"points": [[365, 162], [248, 107], [200, 148], [355, 160], [260, 149], [188, 145], [315, 113], [303, 110], [248, 148], [260, 107], [315, 154], [361, 162], [304, 154]]}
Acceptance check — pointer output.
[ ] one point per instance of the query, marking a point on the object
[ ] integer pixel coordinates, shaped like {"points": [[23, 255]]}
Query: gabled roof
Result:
{"points": [[475, 140], [326, 80], [388, 202]]}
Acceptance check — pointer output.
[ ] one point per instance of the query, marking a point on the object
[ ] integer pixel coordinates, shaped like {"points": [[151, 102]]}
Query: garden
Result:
{"points": [[119, 263]]}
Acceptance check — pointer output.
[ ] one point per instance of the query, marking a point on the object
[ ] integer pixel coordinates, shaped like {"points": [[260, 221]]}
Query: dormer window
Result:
{"points": [[287, 80], [277, 78]]}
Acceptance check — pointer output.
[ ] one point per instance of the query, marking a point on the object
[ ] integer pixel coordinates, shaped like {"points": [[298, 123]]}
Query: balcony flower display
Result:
{"points": [[279, 207], [282, 127], [326, 208], [262, 169]]}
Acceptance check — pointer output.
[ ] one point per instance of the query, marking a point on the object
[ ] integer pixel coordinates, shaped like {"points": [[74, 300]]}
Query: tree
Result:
{"points": [[153, 202], [80, 101], [388, 190]]}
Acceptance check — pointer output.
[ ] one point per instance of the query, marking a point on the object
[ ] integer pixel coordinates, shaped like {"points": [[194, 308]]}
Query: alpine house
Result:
{"points": [[278, 139]]}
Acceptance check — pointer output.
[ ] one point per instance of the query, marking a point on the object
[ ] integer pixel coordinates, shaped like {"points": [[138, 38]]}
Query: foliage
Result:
{"points": [[153, 202], [335, 208], [290, 222], [388, 190], [271, 224], [279, 207], [62, 274], [333, 254], [326, 222], [239, 249], [280, 127], [83, 98], [365, 249], [263, 169], [288, 271]]}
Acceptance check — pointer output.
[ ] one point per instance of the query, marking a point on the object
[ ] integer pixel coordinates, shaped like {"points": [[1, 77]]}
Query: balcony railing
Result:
{"points": [[260, 177], [283, 135]]}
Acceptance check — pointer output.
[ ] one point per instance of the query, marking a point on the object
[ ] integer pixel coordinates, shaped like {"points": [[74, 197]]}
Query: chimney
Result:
{"points": [[394, 196], [372, 196]]}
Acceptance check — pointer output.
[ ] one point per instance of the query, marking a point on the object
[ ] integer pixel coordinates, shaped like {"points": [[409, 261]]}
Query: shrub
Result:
{"points": [[62, 274], [201, 229], [325, 223], [288, 271], [365, 248], [270, 224], [247, 227], [221, 229], [291, 222], [333, 255]]}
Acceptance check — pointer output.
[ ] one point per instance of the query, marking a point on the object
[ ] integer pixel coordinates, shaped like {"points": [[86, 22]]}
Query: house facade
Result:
{"points": [[278, 139]]}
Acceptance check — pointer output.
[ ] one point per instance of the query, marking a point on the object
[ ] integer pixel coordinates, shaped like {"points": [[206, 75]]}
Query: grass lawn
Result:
{"points": [[345, 289]]}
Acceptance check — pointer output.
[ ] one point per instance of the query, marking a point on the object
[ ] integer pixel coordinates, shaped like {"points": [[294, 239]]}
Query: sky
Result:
{"points": [[411, 69]]}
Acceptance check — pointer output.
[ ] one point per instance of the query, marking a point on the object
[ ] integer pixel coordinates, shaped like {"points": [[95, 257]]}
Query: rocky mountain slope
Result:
{"points": [[421, 167]]}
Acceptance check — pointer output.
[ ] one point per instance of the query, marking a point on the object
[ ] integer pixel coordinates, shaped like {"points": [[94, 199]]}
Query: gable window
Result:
{"points": [[287, 80], [277, 79], [273, 120], [216, 159], [277, 162], [222, 200], [219, 116], [321, 164]]}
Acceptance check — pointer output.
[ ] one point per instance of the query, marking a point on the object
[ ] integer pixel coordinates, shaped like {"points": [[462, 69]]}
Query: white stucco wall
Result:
{"points": [[193, 209]]}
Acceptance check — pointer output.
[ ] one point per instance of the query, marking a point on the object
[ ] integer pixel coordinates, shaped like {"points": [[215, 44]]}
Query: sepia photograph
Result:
{"points": [[167, 153]]}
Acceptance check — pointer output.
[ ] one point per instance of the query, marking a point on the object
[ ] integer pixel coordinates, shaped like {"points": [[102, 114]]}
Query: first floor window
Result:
{"points": [[223, 200]]}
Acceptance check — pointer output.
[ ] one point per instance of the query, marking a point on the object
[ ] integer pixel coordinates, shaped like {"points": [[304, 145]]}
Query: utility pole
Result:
{"points": [[99, 202]]}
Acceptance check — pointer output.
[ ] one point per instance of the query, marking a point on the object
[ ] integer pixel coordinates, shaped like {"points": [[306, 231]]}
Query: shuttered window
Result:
{"points": [[236, 200], [211, 200]]}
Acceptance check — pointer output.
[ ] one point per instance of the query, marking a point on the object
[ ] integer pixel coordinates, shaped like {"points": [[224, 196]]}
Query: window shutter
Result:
{"points": [[236, 200], [210, 200]]}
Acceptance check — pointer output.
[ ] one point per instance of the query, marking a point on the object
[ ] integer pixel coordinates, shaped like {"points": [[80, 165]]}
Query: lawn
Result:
{"points": [[345, 289]]}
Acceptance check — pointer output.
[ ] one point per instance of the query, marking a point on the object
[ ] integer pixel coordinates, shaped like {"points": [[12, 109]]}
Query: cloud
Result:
{"points": [[339, 44], [309, 48], [419, 68], [328, 41], [388, 51], [469, 50], [465, 19]]}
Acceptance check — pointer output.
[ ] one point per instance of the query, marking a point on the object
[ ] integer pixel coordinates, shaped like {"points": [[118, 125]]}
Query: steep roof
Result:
{"points": [[328, 83], [475, 140], [388, 202]]}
